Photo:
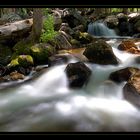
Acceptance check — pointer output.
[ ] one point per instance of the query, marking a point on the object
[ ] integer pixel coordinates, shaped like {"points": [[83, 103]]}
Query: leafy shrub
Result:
{"points": [[48, 26]]}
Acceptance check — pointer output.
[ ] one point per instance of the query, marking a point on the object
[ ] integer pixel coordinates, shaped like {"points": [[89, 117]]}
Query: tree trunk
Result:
{"points": [[37, 25]]}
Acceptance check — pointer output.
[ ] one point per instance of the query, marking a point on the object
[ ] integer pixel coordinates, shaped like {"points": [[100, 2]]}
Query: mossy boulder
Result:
{"points": [[22, 64], [83, 37], [41, 53], [75, 43], [25, 60], [5, 55], [100, 53], [22, 47], [22, 60]]}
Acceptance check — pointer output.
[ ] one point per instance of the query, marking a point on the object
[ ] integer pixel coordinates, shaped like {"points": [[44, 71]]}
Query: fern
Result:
{"points": [[49, 33]]}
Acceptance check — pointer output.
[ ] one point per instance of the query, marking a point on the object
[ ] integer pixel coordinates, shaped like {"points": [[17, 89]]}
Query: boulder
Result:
{"points": [[131, 90], [100, 53], [128, 46], [123, 74], [78, 74], [22, 64], [73, 18], [62, 41], [16, 76], [22, 60], [41, 53]]}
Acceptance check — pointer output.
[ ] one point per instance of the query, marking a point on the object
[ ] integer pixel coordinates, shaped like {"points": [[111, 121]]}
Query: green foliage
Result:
{"points": [[48, 26]]}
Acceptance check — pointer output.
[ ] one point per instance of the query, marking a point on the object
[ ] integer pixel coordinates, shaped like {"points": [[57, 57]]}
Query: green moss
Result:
{"points": [[25, 60], [22, 47], [41, 52], [21, 61], [13, 63]]}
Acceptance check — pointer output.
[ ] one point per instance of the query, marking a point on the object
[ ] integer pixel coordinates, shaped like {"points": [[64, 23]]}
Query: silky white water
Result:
{"points": [[100, 29], [47, 104]]}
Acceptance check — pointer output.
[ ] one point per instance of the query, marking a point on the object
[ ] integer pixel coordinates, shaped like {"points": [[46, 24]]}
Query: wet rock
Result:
{"points": [[58, 59], [123, 74], [129, 46], [100, 53], [16, 76], [78, 74], [131, 90]]}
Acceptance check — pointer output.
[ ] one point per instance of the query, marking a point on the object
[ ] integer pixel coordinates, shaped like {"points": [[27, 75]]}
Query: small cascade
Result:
{"points": [[100, 29]]}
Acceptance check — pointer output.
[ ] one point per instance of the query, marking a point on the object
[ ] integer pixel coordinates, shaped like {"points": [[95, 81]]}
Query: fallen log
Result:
{"points": [[16, 30]]}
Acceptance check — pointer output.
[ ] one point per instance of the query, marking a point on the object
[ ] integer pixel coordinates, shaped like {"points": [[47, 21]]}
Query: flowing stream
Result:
{"points": [[47, 104], [98, 28]]}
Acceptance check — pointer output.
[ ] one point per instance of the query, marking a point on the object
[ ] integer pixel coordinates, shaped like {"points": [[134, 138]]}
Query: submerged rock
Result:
{"points": [[123, 74], [78, 74], [100, 53]]}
